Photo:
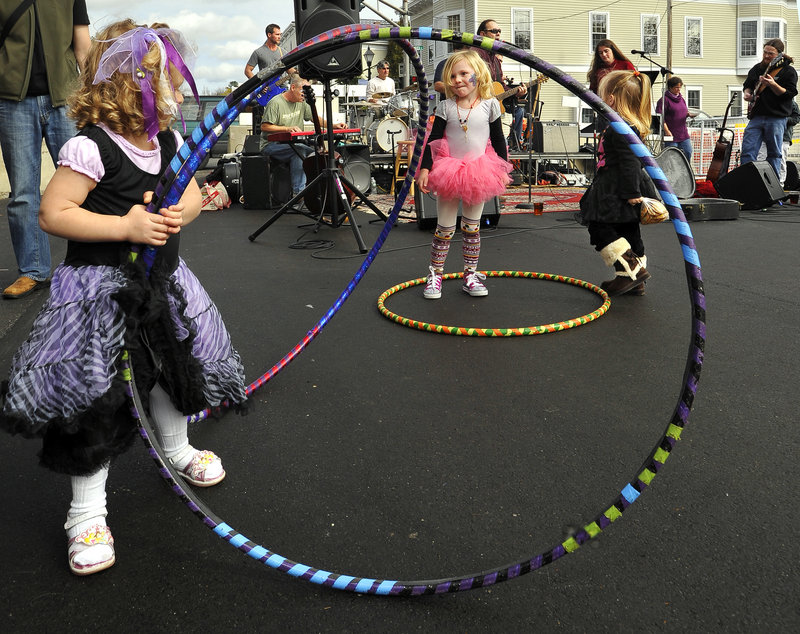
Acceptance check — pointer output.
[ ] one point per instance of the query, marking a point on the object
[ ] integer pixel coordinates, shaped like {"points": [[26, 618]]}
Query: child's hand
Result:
{"points": [[173, 215], [422, 181], [152, 229]]}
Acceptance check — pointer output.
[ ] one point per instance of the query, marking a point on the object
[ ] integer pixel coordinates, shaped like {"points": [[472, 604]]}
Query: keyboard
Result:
{"points": [[288, 137]]}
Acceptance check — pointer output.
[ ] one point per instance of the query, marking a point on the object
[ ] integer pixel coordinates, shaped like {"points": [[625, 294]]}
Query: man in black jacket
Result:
{"points": [[770, 87]]}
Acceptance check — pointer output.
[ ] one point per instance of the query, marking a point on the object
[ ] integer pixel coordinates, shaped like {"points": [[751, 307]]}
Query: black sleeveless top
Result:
{"points": [[121, 187]]}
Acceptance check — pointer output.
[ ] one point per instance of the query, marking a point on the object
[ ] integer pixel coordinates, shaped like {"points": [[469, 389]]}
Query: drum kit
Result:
{"points": [[387, 120]]}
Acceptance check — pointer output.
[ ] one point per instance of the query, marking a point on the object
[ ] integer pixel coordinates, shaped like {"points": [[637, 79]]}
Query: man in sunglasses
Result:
{"points": [[489, 28]]}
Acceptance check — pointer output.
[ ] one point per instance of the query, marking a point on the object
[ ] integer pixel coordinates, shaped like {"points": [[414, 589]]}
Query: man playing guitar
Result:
{"points": [[770, 87], [489, 28]]}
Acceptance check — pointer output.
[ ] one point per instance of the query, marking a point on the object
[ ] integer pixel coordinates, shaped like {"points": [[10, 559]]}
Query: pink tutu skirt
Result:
{"points": [[472, 181]]}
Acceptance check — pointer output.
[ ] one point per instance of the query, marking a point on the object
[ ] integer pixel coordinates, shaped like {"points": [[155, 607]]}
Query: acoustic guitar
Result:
{"points": [[500, 93], [721, 159], [773, 69]]}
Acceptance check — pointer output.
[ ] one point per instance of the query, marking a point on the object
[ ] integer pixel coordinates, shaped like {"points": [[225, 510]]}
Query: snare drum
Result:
{"points": [[379, 137], [403, 105]]}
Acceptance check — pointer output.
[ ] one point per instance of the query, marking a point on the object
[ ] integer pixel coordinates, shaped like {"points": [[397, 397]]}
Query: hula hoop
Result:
{"points": [[185, 163], [468, 331]]}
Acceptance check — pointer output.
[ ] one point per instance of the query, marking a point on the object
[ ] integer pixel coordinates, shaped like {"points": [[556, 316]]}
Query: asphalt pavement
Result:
{"points": [[395, 453]]}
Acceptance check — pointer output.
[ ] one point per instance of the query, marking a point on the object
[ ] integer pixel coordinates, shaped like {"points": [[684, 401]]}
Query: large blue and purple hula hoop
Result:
{"points": [[183, 167]]}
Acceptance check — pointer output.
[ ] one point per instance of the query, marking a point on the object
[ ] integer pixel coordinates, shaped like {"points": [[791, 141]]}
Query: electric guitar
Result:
{"points": [[773, 69], [274, 89], [500, 93], [722, 150]]}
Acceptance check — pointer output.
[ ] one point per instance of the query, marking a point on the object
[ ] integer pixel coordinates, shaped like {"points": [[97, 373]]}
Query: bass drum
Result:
{"points": [[383, 134]]}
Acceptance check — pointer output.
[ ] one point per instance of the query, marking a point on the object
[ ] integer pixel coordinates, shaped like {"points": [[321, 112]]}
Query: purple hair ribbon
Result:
{"points": [[126, 54]]}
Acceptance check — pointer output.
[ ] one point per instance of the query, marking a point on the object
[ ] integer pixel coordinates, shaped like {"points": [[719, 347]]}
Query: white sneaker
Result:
{"points": [[433, 289]]}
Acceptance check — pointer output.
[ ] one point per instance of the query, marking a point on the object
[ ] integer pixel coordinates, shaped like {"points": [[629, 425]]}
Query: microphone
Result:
{"points": [[635, 52]]}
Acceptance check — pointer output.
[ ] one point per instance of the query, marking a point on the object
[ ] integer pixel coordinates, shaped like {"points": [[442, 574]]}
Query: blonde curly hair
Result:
{"points": [[117, 101]]}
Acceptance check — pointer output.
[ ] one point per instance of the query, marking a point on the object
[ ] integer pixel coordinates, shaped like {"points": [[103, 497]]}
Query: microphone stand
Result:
{"points": [[664, 72], [529, 113]]}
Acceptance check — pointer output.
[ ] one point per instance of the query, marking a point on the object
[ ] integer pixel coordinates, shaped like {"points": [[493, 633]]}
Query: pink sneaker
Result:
{"points": [[473, 284]]}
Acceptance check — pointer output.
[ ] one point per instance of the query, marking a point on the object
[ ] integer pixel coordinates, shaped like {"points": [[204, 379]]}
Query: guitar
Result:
{"points": [[500, 93], [773, 69], [722, 150], [274, 88], [316, 195]]}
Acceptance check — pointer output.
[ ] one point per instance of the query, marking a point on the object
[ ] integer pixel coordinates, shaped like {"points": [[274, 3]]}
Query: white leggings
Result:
{"points": [[89, 492]]}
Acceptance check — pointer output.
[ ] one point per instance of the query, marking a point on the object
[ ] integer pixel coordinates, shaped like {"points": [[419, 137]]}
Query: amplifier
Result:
{"points": [[425, 206], [557, 137]]}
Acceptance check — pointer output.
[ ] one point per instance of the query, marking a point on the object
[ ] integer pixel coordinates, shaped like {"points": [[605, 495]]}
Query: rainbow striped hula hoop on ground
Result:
{"points": [[185, 164]]}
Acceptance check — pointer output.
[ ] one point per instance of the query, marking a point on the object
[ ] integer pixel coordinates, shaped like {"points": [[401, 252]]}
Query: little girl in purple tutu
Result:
{"points": [[464, 161], [66, 384]]}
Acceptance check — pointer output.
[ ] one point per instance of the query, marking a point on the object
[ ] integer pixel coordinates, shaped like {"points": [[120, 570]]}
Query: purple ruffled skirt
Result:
{"points": [[66, 383]]}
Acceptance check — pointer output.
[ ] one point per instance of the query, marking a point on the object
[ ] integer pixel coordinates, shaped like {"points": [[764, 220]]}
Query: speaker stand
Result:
{"points": [[330, 180]]}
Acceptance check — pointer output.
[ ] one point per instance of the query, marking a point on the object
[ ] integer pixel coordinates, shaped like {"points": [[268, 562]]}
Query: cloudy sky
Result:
{"points": [[225, 32]]}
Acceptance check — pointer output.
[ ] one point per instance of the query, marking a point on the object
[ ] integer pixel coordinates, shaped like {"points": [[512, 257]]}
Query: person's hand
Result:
{"points": [[294, 128], [635, 201], [522, 90], [339, 125], [422, 181], [768, 80], [747, 95], [144, 227]]}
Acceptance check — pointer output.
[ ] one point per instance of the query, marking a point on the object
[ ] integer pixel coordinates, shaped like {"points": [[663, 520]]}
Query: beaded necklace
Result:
{"points": [[463, 121]]}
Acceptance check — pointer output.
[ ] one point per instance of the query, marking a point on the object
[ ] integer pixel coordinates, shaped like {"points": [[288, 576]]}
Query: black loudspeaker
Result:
{"points": [[755, 185], [425, 206], [255, 182], [252, 145], [792, 176], [313, 17], [356, 165], [280, 183]]}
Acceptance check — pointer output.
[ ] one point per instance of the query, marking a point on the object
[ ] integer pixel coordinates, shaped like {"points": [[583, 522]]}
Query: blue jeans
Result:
{"points": [[23, 125], [516, 128], [685, 146], [284, 152], [770, 131]]}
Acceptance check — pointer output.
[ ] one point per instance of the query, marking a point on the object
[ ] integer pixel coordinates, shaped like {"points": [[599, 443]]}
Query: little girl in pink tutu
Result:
{"points": [[464, 162]]}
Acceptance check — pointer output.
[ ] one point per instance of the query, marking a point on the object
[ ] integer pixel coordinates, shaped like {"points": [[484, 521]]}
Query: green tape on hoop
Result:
{"points": [[497, 332]]}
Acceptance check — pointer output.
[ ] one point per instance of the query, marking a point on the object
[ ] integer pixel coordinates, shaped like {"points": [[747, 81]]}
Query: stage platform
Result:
{"points": [[395, 453]]}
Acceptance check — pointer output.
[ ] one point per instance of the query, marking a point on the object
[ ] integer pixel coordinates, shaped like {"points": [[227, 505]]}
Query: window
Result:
{"points": [[522, 28], [693, 98], [650, 34], [694, 37], [453, 21], [772, 29], [748, 34], [598, 28], [736, 108]]}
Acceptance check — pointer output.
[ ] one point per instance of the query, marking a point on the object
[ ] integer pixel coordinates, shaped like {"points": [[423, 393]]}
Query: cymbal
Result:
{"points": [[411, 88], [381, 95], [367, 104]]}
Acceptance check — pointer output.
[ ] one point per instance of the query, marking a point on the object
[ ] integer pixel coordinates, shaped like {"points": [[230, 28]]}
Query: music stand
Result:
{"points": [[330, 180]]}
